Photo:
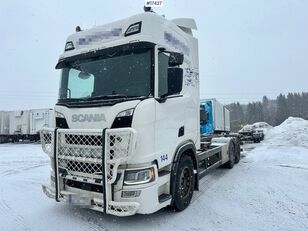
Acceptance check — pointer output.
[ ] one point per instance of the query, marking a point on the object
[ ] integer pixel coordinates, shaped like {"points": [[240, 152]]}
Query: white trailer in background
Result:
{"points": [[4, 126], [20, 122], [40, 118], [127, 135], [24, 125], [227, 123], [2, 123], [218, 112]]}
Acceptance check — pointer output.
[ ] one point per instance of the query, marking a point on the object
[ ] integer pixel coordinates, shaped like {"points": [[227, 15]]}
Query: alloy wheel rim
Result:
{"points": [[185, 182]]}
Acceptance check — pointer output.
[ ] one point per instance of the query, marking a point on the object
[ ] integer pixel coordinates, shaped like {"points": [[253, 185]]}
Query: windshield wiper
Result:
{"points": [[102, 97], [114, 96]]}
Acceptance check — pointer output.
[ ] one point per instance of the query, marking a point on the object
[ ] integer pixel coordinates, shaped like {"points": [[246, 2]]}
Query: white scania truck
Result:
{"points": [[127, 135]]}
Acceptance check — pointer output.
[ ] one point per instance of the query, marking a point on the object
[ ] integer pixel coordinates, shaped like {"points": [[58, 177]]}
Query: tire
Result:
{"points": [[237, 151], [184, 184], [231, 153]]}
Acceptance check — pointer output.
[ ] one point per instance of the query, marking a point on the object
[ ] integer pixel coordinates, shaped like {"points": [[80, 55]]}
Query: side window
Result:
{"points": [[162, 73], [82, 84]]}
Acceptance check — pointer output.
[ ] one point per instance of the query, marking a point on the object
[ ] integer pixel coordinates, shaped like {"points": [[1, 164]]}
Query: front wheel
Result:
{"points": [[184, 184]]}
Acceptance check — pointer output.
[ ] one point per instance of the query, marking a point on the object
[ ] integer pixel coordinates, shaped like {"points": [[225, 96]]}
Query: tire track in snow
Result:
{"points": [[19, 220], [293, 166], [21, 169], [207, 182], [89, 218], [212, 178]]}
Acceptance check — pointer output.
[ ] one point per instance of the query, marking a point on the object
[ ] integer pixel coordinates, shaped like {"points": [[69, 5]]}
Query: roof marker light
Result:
{"points": [[69, 46], [133, 29]]}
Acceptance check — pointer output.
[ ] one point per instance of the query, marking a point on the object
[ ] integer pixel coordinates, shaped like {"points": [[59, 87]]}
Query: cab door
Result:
{"points": [[169, 113]]}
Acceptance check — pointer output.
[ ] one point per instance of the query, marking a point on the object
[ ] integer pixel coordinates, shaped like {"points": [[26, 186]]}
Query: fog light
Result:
{"points": [[130, 194]]}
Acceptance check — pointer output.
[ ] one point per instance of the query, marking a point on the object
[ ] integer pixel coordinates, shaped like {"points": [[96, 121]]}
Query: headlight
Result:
{"points": [[139, 176]]}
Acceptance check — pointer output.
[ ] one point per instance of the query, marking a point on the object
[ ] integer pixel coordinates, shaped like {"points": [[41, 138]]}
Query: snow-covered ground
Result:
{"points": [[267, 190]]}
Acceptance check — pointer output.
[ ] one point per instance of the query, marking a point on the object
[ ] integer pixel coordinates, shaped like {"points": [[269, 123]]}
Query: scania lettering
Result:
{"points": [[88, 118], [127, 134]]}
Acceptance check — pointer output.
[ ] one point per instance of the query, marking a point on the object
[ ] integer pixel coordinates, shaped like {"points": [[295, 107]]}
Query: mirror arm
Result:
{"points": [[164, 95], [161, 99]]}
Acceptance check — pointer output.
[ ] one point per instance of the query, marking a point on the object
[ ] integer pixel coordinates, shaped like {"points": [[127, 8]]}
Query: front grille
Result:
{"points": [[80, 152], [89, 140], [76, 166]]}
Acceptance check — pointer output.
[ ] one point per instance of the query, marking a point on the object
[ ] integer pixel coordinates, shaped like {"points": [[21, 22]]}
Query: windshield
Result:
{"points": [[118, 74]]}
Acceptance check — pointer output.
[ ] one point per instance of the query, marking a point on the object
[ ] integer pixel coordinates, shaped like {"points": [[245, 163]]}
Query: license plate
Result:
{"points": [[78, 200]]}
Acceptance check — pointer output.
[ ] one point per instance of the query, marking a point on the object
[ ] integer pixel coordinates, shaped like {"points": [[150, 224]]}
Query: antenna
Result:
{"points": [[147, 9], [78, 29]]}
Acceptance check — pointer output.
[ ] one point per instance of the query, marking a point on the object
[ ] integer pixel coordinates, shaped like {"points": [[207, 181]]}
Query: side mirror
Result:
{"points": [[175, 80], [175, 59]]}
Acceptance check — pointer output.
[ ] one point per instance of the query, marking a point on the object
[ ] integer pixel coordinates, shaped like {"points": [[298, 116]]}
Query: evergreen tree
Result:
{"points": [[250, 113], [274, 112], [266, 110], [259, 117], [241, 115], [282, 109]]}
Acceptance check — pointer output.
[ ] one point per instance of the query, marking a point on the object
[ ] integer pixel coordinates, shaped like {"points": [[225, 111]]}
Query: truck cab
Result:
{"points": [[127, 133]]}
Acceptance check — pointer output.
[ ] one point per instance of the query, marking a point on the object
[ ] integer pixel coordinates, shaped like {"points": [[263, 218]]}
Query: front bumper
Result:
{"points": [[93, 156], [93, 201]]}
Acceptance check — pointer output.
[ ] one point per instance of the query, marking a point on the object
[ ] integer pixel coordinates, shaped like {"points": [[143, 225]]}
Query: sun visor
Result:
{"points": [[186, 24]]}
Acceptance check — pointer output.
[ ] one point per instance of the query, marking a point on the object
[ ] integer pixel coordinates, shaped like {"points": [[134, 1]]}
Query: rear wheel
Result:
{"points": [[237, 151], [184, 184], [231, 154]]}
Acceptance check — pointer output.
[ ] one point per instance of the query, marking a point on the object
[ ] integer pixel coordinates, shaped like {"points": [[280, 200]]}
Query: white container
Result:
{"points": [[40, 118], [221, 116], [218, 115], [19, 122], [227, 120], [5, 123]]}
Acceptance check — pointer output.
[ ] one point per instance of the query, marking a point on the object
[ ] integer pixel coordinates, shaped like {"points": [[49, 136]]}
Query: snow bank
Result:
{"points": [[292, 132]]}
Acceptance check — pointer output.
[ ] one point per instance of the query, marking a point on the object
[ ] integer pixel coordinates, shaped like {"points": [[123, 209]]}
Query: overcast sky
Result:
{"points": [[248, 48]]}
